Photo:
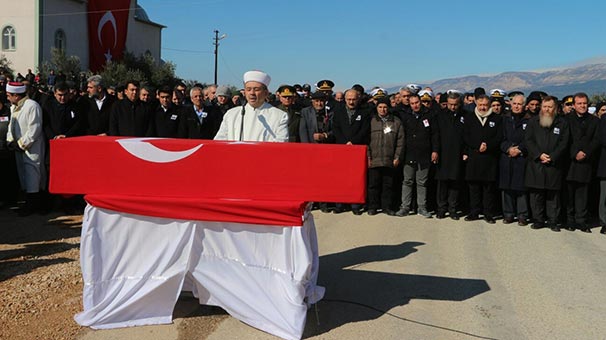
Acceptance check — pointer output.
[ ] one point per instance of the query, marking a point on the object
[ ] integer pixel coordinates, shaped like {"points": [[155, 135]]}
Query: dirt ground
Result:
{"points": [[41, 282]]}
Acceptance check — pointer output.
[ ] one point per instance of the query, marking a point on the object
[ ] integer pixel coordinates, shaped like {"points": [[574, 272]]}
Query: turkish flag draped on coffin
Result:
{"points": [[207, 180], [107, 28]]}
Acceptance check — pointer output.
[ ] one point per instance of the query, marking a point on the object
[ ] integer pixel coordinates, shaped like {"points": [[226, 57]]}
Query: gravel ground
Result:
{"points": [[41, 283], [40, 280]]}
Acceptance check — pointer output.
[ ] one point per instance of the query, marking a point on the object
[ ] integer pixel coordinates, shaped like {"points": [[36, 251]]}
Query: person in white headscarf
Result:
{"points": [[257, 120], [25, 137]]}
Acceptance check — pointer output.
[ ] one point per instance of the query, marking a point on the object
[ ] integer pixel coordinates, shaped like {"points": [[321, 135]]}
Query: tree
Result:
{"points": [[193, 82], [118, 73], [5, 65], [61, 63], [597, 98], [143, 68]]}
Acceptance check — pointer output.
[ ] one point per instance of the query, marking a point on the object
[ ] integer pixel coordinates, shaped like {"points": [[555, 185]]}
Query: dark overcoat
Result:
{"points": [[512, 169], [133, 119], [356, 131], [583, 137], [97, 120], [482, 166], [450, 165], [601, 173], [61, 119], [421, 137], [166, 123], [552, 141], [191, 127]]}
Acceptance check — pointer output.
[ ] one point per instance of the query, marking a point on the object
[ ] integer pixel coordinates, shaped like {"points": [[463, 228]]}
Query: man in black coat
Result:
{"points": [[583, 153], [130, 116], [482, 135], [601, 173], [351, 126], [60, 118], [166, 116], [547, 141], [420, 151], [450, 166], [98, 108], [8, 169], [199, 121], [512, 165]]}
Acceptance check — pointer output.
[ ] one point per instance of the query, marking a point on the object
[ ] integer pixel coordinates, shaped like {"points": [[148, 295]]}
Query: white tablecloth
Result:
{"points": [[134, 268]]}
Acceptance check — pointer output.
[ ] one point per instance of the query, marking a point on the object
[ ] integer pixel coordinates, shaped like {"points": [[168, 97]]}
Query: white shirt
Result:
{"points": [[263, 124], [100, 102]]}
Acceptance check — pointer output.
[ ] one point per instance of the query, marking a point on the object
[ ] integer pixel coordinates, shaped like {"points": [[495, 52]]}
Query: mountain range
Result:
{"points": [[588, 78]]}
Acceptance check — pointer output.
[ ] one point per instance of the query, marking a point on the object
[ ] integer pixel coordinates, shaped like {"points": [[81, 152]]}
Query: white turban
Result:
{"points": [[15, 87], [258, 76]]}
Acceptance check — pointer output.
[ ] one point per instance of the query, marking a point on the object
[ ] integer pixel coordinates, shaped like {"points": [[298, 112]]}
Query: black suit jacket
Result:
{"points": [[191, 127], [97, 121], [166, 123], [356, 131], [133, 119]]}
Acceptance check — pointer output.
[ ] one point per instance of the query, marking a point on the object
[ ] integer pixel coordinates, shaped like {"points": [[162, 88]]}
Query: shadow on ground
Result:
{"points": [[354, 295], [10, 269], [37, 228], [24, 241]]}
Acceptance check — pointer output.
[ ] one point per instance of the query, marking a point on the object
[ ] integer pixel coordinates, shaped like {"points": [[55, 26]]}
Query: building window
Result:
{"points": [[60, 40], [9, 39]]}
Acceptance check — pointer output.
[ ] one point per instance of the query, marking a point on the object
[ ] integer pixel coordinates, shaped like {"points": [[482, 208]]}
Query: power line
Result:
{"points": [[227, 67], [186, 51]]}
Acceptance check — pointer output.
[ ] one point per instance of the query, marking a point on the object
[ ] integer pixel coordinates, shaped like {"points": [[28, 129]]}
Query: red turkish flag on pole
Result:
{"points": [[107, 28]]}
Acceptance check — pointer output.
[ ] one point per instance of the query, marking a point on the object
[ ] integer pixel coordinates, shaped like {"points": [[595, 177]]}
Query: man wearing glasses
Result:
{"points": [[567, 104]]}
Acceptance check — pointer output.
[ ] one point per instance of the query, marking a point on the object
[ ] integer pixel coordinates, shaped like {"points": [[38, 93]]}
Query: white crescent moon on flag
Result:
{"points": [[107, 17], [141, 149]]}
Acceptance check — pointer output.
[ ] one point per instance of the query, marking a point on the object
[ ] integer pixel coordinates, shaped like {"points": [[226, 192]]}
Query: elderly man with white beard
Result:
{"points": [[546, 139]]}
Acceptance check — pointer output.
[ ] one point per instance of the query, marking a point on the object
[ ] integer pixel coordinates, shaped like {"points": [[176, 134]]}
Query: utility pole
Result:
{"points": [[216, 43]]}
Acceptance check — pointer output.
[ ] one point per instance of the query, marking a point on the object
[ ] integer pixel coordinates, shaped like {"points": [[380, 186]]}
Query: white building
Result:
{"points": [[31, 28]]}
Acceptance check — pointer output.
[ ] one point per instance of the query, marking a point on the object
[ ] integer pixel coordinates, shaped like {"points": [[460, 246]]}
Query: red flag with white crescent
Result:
{"points": [[107, 28]]}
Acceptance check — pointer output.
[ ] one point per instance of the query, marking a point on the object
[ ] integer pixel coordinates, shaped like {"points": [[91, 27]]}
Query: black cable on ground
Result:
{"points": [[405, 319]]}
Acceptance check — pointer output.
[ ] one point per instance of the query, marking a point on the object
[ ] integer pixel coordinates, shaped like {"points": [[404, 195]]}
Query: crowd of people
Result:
{"points": [[528, 159]]}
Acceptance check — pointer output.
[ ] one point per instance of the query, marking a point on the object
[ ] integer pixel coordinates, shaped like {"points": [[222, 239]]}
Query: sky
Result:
{"points": [[380, 43]]}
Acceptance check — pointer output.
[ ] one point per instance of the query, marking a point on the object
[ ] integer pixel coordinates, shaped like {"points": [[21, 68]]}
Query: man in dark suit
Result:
{"points": [[450, 166], [199, 121], [166, 116], [547, 141], [351, 126], [601, 173], [99, 106], [512, 165], [60, 117], [583, 152], [482, 134], [130, 116]]}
